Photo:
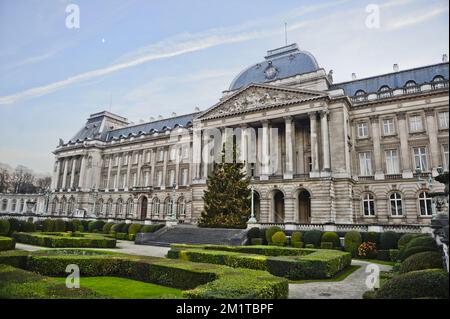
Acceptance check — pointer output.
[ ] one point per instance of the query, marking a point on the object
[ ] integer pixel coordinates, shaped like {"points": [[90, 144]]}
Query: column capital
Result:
{"points": [[312, 114], [288, 118], [324, 112], [265, 122]]}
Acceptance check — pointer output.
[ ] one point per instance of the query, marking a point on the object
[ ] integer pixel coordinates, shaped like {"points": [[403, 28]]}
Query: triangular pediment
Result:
{"points": [[258, 96]]}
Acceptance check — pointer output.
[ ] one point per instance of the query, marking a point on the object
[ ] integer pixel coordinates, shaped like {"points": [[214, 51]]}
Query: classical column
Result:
{"points": [[205, 155], [376, 147], [325, 134], [82, 172], [140, 156], [119, 174], [434, 144], [63, 185], [130, 160], [265, 162], [164, 181], [314, 145], [56, 176], [243, 156], [404, 147], [290, 145], [196, 153], [108, 180], [152, 172], [72, 175]]}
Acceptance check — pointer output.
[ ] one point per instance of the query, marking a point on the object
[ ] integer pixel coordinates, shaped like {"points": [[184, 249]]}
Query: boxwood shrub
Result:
{"points": [[96, 226], [256, 241], [279, 239], [429, 283], [14, 225], [326, 245], [331, 237], [405, 239], [151, 228], [107, 228], [134, 229], [371, 236], [418, 244], [312, 237], [253, 232], [388, 240], [58, 241], [4, 227], [423, 260], [7, 243], [352, 240], [60, 225], [77, 225], [270, 232]]}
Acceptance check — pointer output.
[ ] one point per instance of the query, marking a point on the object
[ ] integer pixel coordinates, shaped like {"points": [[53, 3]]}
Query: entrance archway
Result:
{"points": [[257, 205], [144, 206], [304, 206], [278, 206]]}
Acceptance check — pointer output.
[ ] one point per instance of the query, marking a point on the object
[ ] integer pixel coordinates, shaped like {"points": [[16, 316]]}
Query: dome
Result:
{"points": [[279, 63]]}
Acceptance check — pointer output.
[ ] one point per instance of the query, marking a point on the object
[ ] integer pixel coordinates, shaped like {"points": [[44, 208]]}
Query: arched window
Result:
{"points": [[119, 208], [55, 205], [168, 204], [71, 205], [129, 208], [22, 205], [384, 92], [360, 95], [62, 206], [411, 87], [109, 205], [13, 205], [4, 204], [368, 205], [425, 204], [99, 207], [155, 207], [438, 82], [396, 204], [181, 208]]}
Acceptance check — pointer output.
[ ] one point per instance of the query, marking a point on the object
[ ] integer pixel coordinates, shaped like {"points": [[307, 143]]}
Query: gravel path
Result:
{"points": [[123, 246], [351, 287]]}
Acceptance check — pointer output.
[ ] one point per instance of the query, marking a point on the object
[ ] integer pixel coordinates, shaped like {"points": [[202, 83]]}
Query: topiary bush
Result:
{"points": [[49, 225], [352, 241], [388, 240], [416, 245], [423, 260], [14, 225], [96, 226], [393, 254], [7, 243], [77, 225], [405, 239], [253, 232], [296, 237], [326, 245], [279, 239], [331, 237], [107, 228], [270, 232], [312, 237], [428, 283], [60, 225], [134, 229], [256, 241], [4, 227], [151, 228], [28, 227], [371, 236]]}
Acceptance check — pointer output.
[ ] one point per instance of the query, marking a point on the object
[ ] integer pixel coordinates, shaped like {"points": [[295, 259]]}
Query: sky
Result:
{"points": [[142, 59]]}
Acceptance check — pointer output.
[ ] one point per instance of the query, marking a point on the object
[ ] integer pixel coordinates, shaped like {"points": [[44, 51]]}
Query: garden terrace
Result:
{"points": [[198, 280], [292, 263], [63, 240]]}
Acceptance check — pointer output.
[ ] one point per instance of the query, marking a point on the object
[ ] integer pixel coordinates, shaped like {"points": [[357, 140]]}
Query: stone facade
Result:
{"points": [[359, 152]]}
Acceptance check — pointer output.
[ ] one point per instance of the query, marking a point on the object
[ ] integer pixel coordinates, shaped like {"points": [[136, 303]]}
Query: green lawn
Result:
{"points": [[338, 277], [121, 288]]}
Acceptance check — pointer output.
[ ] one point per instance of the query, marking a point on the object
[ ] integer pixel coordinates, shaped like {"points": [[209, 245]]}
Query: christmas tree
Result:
{"points": [[227, 198]]}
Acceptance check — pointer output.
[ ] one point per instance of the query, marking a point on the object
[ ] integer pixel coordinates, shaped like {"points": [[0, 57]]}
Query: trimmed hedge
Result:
{"points": [[96, 226], [256, 241], [393, 254], [417, 245], [429, 283], [107, 228], [270, 232], [352, 241], [405, 239], [326, 245], [151, 228], [296, 237], [331, 237], [134, 229], [279, 239], [312, 237], [414, 250], [306, 264], [58, 241], [7, 243], [253, 232], [371, 236], [60, 226], [205, 281], [423, 260], [388, 240], [4, 227]]}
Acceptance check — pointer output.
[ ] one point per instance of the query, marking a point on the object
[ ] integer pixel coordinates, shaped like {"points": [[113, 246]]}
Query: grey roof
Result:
{"points": [[394, 80], [288, 61], [155, 126], [89, 131]]}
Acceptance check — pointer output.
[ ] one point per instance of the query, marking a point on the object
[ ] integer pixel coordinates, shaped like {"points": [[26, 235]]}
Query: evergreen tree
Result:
{"points": [[227, 198]]}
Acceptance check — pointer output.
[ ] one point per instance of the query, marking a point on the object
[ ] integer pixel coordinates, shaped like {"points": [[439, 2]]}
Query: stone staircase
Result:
{"points": [[190, 234]]}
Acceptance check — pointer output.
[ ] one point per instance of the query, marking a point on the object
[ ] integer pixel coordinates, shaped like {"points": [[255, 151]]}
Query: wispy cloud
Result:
{"points": [[417, 17], [177, 45]]}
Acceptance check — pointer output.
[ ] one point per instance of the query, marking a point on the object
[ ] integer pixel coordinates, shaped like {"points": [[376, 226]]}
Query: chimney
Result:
{"points": [[152, 118], [353, 76], [395, 67], [174, 114], [160, 117], [444, 57], [197, 109]]}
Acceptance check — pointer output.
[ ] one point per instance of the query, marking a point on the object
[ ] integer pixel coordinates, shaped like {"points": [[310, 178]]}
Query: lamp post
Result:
{"points": [[252, 219]]}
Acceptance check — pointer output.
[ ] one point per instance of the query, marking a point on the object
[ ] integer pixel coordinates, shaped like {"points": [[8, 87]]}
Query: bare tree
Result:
{"points": [[5, 180], [43, 184], [22, 181]]}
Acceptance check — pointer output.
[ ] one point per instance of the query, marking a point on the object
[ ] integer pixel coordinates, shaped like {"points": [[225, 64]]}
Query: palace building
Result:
{"points": [[356, 152]]}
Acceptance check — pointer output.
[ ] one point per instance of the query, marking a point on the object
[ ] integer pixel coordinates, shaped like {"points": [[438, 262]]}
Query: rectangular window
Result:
{"points": [[159, 178], [116, 160], [415, 123], [147, 156], [446, 159], [105, 181], [388, 127], [365, 163], [114, 178], [363, 130], [420, 158], [161, 155], [392, 163], [125, 159], [135, 158], [185, 151], [171, 177], [146, 179], [134, 178], [443, 120], [173, 153], [124, 180]]}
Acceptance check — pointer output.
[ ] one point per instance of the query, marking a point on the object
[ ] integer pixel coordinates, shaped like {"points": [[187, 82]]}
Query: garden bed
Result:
{"points": [[291, 263], [7, 243], [197, 279], [63, 240]]}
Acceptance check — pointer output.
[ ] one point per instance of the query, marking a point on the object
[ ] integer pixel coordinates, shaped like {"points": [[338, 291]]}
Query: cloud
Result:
{"points": [[417, 17]]}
